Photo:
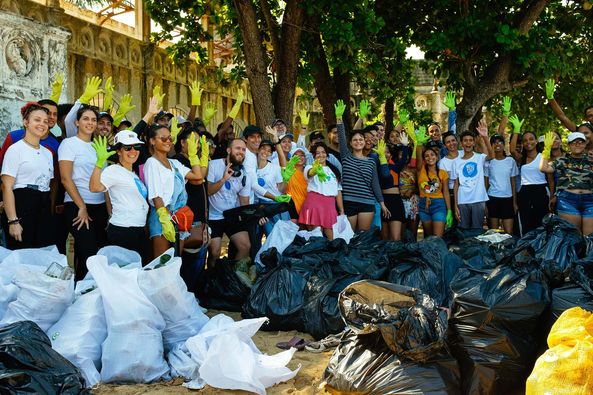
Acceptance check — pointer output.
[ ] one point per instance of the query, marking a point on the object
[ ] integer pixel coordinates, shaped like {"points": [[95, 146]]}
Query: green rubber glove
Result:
{"points": [[91, 90], [339, 108], [99, 144], [175, 129], [209, 112], [318, 169], [290, 168], [166, 223], [156, 92], [108, 98], [304, 117], [421, 136], [56, 87], [409, 128], [235, 110], [548, 142], [449, 221], [364, 108], [506, 106], [380, 150], [205, 152], [404, 116], [282, 198], [450, 102], [192, 150], [196, 93], [516, 122], [550, 87], [125, 106]]}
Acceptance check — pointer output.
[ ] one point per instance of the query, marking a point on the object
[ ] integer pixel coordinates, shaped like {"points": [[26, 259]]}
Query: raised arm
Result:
{"points": [[339, 108], [517, 124], [545, 165], [568, 124]]}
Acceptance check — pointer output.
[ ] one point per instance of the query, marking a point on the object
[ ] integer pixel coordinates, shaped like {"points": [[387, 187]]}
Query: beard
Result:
{"points": [[235, 160]]}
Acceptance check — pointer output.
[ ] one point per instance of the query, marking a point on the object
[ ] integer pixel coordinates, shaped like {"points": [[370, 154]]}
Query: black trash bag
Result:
{"points": [[496, 317], [321, 315], [481, 254], [569, 296], [556, 246], [411, 324], [454, 236], [364, 364], [582, 273], [28, 364], [221, 289]]}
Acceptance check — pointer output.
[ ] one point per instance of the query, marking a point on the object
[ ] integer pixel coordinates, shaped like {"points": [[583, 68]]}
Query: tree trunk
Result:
{"points": [[255, 62], [342, 84], [324, 86], [389, 103], [288, 62]]}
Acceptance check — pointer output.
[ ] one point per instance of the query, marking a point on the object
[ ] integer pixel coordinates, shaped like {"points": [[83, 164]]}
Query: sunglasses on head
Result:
{"points": [[164, 139], [137, 147]]}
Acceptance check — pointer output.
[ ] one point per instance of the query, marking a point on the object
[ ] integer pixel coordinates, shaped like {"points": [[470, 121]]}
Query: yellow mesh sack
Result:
{"points": [[573, 325], [563, 370]]}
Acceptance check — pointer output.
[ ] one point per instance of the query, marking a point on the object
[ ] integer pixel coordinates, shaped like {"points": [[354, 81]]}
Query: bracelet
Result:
{"points": [[14, 221]]}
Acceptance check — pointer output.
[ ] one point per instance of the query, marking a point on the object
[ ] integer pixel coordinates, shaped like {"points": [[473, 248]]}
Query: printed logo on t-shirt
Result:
{"points": [[470, 169], [141, 188], [261, 182], [431, 186]]}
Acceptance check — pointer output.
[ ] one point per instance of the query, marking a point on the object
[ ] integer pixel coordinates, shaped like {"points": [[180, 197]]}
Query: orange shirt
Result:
{"points": [[430, 185], [297, 188]]}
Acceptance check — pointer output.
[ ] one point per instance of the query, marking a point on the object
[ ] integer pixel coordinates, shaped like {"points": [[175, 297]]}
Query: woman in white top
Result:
{"points": [[127, 193], [324, 193], [26, 174], [84, 211], [165, 179], [533, 197]]}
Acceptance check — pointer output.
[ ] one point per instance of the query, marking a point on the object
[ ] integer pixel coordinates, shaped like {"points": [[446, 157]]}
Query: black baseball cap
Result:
{"points": [[316, 135], [251, 129]]}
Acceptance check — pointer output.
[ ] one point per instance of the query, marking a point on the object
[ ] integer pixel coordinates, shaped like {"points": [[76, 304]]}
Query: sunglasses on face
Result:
{"points": [[164, 139], [130, 147]]}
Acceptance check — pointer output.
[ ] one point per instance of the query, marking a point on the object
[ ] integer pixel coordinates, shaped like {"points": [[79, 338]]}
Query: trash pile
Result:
{"points": [[123, 323]]}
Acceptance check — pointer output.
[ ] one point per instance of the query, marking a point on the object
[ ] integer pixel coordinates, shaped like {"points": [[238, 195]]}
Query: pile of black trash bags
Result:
{"points": [[501, 299]]}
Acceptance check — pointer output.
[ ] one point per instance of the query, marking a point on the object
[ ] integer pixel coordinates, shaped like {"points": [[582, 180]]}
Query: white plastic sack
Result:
{"points": [[281, 236], [307, 234], [35, 259], [182, 365], [133, 350], [79, 334], [165, 288], [120, 257], [8, 293], [41, 299], [342, 229]]}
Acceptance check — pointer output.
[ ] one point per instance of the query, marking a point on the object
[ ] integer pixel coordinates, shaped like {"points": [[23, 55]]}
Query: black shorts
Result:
{"points": [[354, 208], [501, 208], [395, 205], [220, 227]]}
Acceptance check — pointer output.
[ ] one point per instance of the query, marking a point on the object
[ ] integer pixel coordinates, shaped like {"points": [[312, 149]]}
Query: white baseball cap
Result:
{"points": [[575, 136], [126, 137]]}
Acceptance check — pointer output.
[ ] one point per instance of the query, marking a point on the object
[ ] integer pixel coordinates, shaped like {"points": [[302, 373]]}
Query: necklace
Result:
{"points": [[31, 145]]}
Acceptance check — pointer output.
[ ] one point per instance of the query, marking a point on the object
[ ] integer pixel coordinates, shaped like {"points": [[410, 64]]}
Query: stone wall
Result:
{"points": [[38, 40]]}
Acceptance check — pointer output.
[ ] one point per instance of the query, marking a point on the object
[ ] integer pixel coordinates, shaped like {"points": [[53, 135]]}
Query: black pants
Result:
{"points": [[86, 241], [33, 208], [133, 238], [533, 206]]}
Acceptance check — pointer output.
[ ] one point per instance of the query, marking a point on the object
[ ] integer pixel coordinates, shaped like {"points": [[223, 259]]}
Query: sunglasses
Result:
{"points": [[164, 139], [137, 147]]}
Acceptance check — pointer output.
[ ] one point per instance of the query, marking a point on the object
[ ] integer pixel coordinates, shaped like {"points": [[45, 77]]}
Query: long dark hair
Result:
{"points": [[333, 168], [436, 165]]}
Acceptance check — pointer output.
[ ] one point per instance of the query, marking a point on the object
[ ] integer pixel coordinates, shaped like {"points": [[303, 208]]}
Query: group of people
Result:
{"points": [[75, 170]]}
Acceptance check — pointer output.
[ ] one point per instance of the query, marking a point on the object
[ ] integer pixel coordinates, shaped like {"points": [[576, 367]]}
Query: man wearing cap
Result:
{"points": [[105, 126], [124, 125], [163, 118], [253, 136]]}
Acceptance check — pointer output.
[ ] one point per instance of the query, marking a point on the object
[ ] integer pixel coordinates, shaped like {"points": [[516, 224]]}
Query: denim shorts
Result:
{"points": [[436, 211], [578, 204]]}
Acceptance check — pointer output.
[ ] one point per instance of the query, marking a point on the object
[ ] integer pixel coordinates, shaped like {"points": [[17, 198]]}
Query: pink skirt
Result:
{"points": [[319, 210]]}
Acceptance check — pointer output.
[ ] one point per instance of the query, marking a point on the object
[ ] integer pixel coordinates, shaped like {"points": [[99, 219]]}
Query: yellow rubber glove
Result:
{"points": [[205, 151], [209, 112], [56, 87], [91, 90], [409, 128], [196, 93], [380, 150], [166, 223], [192, 150], [175, 129], [304, 117], [235, 110], [108, 98], [125, 106], [548, 142], [156, 91]]}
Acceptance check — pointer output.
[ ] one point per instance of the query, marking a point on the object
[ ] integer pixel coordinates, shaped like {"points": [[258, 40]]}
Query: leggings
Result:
{"points": [[533, 206], [86, 241]]}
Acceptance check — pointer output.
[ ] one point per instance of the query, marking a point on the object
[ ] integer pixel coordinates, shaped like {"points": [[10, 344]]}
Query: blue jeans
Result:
{"points": [[436, 211], [577, 204]]}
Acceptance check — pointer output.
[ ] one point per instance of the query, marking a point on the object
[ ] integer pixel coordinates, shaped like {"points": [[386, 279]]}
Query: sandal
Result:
{"points": [[296, 342], [331, 341]]}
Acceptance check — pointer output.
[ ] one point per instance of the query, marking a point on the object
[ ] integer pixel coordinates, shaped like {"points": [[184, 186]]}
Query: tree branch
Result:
{"points": [[272, 28], [528, 14]]}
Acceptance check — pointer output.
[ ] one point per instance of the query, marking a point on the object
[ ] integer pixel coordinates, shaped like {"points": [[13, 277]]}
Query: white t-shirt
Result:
{"points": [[160, 180], [448, 164], [128, 196], [470, 173], [268, 178], [83, 158], [328, 188], [227, 196], [530, 174], [250, 165], [29, 166], [499, 176]]}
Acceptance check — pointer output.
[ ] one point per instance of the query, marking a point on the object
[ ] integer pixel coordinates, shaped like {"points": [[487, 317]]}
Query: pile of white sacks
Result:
{"points": [[128, 324]]}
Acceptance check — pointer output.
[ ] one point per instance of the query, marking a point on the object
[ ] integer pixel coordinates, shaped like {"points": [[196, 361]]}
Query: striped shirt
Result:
{"points": [[360, 180]]}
